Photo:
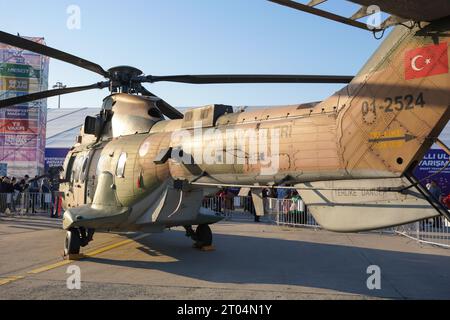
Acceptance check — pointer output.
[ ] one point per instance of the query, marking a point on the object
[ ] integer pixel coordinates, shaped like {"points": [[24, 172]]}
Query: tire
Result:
{"points": [[203, 235], [72, 242]]}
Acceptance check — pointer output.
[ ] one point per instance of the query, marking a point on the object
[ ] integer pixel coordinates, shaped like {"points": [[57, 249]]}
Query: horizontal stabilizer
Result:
{"points": [[361, 205]]}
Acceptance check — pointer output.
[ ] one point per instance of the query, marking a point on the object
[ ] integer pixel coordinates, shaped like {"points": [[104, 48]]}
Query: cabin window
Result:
{"points": [[120, 170], [76, 171], [204, 114], [69, 168], [102, 164], [79, 168], [188, 116], [83, 169]]}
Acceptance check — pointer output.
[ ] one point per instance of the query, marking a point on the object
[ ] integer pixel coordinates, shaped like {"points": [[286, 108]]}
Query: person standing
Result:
{"points": [[436, 193], [8, 190], [446, 201], [294, 210], [14, 193], [34, 194], [46, 198], [2, 194], [252, 206]]}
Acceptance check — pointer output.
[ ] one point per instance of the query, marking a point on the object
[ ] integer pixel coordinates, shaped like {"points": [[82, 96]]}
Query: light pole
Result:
{"points": [[59, 85]]}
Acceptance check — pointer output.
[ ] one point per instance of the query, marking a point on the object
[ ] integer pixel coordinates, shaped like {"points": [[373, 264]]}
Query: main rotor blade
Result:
{"points": [[29, 45], [163, 106], [248, 78], [321, 13], [49, 93]]}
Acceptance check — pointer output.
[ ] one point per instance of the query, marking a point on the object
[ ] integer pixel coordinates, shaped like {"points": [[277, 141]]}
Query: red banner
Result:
{"points": [[18, 126]]}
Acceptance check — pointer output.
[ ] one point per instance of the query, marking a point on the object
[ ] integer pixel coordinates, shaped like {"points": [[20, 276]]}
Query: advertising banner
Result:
{"points": [[15, 84], [54, 157], [10, 94], [19, 140], [18, 126], [23, 127], [18, 154], [20, 112], [9, 54], [18, 71], [19, 85], [20, 57], [3, 169], [433, 167]]}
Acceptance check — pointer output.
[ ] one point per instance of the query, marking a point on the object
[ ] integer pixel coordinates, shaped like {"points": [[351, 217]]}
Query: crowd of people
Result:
{"points": [[27, 196], [223, 202], [437, 194], [292, 205]]}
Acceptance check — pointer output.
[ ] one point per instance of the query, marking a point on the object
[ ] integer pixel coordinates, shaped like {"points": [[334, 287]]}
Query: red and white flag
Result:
{"points": [[426, 61]]}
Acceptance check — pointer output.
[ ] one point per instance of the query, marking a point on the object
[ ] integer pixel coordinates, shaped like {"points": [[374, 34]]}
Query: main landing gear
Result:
{"points": [[76, 238], [202, 236]]}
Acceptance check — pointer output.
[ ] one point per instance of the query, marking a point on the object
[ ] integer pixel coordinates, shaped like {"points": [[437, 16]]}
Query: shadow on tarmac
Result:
{"points": [[255, 260], [32, 222]]}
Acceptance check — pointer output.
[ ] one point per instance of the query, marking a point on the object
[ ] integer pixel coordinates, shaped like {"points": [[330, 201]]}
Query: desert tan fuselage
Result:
{"points": [[372, 131]]}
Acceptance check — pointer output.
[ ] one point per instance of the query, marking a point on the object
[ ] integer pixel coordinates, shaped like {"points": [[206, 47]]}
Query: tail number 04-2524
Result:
{"points": [[399, 103]]}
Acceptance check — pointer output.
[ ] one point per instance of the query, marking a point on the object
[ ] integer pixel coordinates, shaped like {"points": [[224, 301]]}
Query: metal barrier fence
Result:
{"points": [[291, 213], [26, 203], [287, 212], [434, 231], [230, 207]]}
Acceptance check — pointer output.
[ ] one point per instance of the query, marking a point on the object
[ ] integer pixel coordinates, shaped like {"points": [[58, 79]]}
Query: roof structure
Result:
{"points": [[63, 125]]}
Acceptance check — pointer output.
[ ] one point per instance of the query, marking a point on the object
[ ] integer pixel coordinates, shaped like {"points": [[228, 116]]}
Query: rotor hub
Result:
{"points": [[122, 78]]}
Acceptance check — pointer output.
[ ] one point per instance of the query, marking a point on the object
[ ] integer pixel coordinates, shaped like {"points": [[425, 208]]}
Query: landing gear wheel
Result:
{"points": [[86, 236], [203, 236], [72, 242]]}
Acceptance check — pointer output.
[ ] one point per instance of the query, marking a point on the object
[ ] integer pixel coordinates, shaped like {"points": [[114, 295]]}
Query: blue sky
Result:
{"points": [[163, 37]]}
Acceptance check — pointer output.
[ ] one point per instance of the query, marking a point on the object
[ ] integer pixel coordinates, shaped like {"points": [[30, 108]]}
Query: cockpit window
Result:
{"points": [[120, 170]]}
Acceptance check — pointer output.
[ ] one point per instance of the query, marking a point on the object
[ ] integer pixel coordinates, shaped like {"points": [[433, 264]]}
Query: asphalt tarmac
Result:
{"points": [[250, 261]]}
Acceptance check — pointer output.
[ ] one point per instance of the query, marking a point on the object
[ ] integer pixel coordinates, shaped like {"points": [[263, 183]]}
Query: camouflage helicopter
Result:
{"points": [[350, 156]]}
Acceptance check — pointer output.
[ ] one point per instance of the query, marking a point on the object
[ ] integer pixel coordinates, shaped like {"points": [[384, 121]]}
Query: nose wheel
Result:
{"points": [[72, 242], [76, 238]]}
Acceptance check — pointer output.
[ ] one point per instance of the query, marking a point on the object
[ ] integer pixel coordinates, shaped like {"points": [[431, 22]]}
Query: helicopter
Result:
{"points": [[141, 165]]}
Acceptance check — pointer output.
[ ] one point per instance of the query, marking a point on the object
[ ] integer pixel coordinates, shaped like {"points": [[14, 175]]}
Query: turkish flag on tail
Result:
{"points": [[426, 61]]}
